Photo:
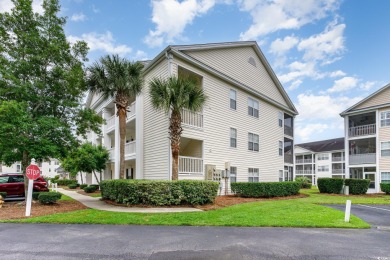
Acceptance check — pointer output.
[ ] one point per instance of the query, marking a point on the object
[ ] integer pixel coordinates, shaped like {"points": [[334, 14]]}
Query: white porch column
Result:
{"points": [[139, 133], [170, 59], [117, 146], [346, 146]]}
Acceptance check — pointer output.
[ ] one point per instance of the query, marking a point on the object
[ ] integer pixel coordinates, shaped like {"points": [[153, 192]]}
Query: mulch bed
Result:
{"points": [[17, 210]]}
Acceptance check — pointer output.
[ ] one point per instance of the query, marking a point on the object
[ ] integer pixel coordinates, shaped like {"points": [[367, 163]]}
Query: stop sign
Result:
{"points": [[33, 172]]}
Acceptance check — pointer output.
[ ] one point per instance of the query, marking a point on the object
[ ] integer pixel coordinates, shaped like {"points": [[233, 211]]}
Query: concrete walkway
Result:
{"points": [[96, 203]]}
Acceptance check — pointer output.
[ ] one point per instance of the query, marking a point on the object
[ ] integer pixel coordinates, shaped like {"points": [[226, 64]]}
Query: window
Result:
{"points": [[18, 168], [280, 175], [323, 157], [385, 148], [280, 118], [4, 179], [49, 169], [253, 175], [385, 177], [385, 118], [253, 107], [233, 174], [323, 168], [233, 137], [233, 99], [253, 142], [280, 148]]}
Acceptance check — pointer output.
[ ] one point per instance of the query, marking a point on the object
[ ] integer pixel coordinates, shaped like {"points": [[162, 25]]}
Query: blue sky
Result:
{"points": [[328, 54]]}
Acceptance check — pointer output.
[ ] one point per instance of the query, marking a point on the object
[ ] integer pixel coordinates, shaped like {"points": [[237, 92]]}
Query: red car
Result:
{"points": [[13, 184]]}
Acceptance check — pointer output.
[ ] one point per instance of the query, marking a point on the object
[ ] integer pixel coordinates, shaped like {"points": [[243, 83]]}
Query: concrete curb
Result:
{"points": [[96, 203]]}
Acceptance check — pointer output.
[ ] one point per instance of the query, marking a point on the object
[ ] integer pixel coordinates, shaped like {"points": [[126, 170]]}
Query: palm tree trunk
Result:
{"points": [[122, 136], [175, 133]]}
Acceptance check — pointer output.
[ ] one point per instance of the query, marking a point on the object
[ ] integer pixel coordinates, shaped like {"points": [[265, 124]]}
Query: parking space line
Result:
{"points": [[373, 207]]}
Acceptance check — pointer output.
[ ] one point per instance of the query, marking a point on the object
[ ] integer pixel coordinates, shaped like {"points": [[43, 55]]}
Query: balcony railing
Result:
{"points": [[338, 170], [362, 158], [303, 160], [337, 159], [110, 123], [304, 172], [192, 118], [288, 130], [130, 148], [190, 165], [130, 111], [288, 158], [362, 130]]}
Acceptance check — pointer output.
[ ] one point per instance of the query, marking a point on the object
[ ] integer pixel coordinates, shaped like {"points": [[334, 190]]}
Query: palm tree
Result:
{"points": [[173, 95], [117, 77]]}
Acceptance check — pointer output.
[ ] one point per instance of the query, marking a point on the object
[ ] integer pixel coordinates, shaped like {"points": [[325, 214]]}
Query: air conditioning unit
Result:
{"points": [[210, 170]]}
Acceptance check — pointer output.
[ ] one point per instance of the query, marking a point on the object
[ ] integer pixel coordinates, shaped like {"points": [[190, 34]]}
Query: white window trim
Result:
{"points": [[280, 112], [230, 90], [319, 156], [384, 149], [258, 144], [231, 173], [258, 174], [280, 148], [258, 110], [381, 175], [380, 118], [231, 137]]}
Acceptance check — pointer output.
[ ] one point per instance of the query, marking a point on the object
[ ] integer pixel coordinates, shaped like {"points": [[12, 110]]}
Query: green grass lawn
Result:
{"points": [[303, 212]]}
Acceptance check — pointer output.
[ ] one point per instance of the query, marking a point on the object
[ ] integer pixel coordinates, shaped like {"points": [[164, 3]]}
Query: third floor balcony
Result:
{"points": [[362, 125]]}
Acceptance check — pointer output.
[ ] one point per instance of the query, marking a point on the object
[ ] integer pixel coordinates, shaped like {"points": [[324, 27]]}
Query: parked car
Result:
{"points": [[13, 184]]}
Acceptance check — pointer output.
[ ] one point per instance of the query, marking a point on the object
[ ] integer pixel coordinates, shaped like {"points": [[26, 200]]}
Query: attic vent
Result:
{"points": [[252, 61]]}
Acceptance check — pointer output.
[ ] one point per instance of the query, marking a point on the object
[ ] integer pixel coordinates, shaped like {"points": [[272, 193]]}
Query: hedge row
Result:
{"points": [[133, 192], [90, 189], [49, 197], [357, 186], [385, 187], [304, 182], [265, 189], [330, 185]]}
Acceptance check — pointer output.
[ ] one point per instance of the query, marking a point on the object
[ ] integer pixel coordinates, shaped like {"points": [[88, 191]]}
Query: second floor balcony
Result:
{"points": [[129, 151], [365, 158], [194, 119], [362, 130]]}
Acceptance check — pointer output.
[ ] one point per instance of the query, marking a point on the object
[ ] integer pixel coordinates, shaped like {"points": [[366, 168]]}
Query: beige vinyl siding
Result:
{"points": [[156, 142], [379, 99], [384, 136], [219, 118], [233, 62]]}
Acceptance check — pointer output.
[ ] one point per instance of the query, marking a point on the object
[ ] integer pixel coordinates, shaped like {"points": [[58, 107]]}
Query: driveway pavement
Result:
{"points": [[50, 241], [377, 215]]}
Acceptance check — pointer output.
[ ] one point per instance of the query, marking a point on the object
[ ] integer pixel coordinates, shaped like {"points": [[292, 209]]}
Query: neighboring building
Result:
{"points": [[246, 124], [320, 159], [367, 138], [48, 168]]}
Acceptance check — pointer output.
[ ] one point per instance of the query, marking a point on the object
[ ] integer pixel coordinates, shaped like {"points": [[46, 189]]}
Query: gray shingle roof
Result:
{"points": [[324, 145]]}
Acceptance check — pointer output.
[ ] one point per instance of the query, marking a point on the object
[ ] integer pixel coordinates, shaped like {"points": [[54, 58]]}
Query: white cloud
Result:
{"points": [[172, 16], [78, 17], [7, 5], [305, 132], [324, 46], [367, 85], [337, 73], [295, 84], [343, 84], [140, 55], [103, 42], [272, 15], [300, 70], [280, 46]]}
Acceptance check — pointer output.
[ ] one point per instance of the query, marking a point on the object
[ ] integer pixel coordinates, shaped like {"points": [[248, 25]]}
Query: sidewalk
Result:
{"points": [[96, 203]]}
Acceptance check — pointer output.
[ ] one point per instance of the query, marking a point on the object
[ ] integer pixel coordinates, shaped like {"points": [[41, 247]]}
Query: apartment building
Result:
{"points": [[321, 159], [48, 168], [367, 138], [245, 127]]}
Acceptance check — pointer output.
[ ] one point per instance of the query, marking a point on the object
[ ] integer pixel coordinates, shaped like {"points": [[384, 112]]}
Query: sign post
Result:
{"points": [[32, 173]]}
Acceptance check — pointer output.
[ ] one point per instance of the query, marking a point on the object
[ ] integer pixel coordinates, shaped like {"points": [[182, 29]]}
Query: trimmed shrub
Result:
{"points": [[72, 186], [3, 194], [82, 186], [159, 193], [385, 187], [35, 195], [357, 186], [95, 185], [90, 189], [65, 182], [265, 189], [330, 185], [49, 197], [304, 182]]}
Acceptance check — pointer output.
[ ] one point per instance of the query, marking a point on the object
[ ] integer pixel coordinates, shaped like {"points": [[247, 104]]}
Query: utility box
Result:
{"points": [[210, 170]]}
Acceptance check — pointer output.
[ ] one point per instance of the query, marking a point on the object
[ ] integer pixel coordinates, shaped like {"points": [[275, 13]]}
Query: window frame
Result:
{"points": [[251, 175], [281, 147], [252, 109], [233, 174], [323, 170], [387, 180], [251, 143], [280, 118], [386, 118], [281, 175], [321, 156], [387, 149], [233, 100], [231, 138]]}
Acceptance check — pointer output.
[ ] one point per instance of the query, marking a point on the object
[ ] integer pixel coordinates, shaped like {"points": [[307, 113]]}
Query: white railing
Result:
{"points": [[362, 158], [192, 118], [303, 161], [190, 165], [112, 154], [131, 111], [337, 159], [362, 130], [110, 122], [305, 172], [338, 170], [130, 148]]}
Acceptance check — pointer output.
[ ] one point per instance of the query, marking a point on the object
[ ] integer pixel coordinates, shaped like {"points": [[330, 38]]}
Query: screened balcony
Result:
{"points": [[362, 125]]}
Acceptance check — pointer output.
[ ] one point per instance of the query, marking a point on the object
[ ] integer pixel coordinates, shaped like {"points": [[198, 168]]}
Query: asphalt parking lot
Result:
{"points": [[376, 215]]}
